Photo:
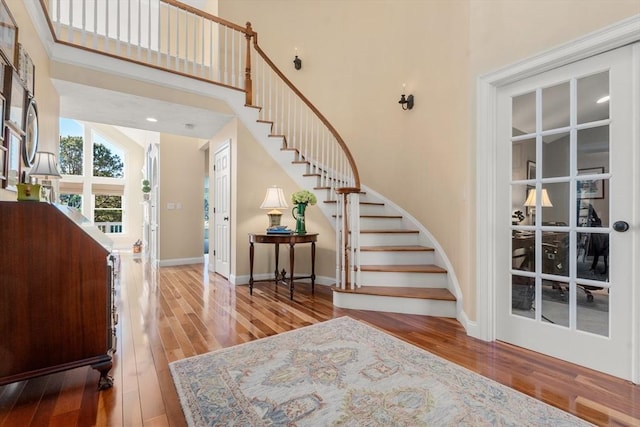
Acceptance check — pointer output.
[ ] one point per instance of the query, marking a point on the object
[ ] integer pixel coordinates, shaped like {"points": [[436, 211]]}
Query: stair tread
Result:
{"points": [[389, 231], [376, 216], [361, 203], [404, 292], [399, 248], [406, 268]]}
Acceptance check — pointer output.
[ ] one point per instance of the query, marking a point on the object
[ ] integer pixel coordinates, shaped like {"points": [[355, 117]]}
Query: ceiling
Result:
{"points": [[86, 103]]}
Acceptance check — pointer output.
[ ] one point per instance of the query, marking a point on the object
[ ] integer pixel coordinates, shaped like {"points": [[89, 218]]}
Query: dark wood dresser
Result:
{"points": [[57, 307]]}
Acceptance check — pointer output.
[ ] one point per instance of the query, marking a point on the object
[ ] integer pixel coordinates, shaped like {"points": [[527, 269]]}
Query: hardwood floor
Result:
{"points": [[177, 312]]}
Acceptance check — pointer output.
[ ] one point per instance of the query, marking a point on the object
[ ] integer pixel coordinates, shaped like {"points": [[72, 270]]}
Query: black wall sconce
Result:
{"points": [[406, 102], [297, 62]]}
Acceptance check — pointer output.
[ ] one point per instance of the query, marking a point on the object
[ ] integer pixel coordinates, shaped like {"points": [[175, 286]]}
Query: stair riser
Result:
{"points": [[392, 258], [414, 280], [388, 239], [395, 304], [380, 223], [374, 210]]}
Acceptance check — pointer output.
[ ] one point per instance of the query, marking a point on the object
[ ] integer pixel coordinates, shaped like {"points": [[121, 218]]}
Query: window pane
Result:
{"points": [[523, 113], [555, 155], [593, 149], [70, 161], [523, 296], [107, 160], [555, 253], [523, 157], [593, 101], [593, 256], [592, 312], [555, 304], [555, 204], [107, 215], [555, 106]]}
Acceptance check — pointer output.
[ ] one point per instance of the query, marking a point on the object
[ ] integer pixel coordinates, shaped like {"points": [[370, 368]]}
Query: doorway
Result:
{"points": [[501, 192], [222, 210], [566, 285]]}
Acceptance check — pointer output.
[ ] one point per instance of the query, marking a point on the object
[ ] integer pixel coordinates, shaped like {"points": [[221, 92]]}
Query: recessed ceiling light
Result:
{"points": [[603, 99], [152, 119]]}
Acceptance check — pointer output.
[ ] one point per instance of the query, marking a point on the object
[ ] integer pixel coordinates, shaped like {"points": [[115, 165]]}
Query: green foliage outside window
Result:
{"points": [[108, 209], [106, 163], [70, 161]]}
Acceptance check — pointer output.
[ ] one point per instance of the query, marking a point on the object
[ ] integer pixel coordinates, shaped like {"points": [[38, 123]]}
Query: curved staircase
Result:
{"points": [[398, 269]]}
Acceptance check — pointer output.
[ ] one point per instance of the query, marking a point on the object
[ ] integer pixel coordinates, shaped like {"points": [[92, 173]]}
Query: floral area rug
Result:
{"points": [[344, 373]]}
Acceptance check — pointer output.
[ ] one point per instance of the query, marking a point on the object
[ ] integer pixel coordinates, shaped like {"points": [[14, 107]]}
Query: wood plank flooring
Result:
{"points": [[177, 312]]}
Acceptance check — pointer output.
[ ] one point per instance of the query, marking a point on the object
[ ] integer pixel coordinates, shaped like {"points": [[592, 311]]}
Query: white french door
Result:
{"points": [[568, 204]]}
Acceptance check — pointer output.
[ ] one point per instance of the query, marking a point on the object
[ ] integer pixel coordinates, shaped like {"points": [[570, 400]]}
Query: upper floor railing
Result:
{"points": [[178, 38]]}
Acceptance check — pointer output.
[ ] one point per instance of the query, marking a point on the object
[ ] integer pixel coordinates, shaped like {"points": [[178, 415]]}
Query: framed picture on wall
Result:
{"points": [[26, 70], [8, 34], [3, 160], [14, 146], [17, 103], [590, 188]]}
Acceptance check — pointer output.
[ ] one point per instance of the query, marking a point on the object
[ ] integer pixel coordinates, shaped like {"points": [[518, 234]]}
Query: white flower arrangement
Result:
{"points": [[304, 196]]}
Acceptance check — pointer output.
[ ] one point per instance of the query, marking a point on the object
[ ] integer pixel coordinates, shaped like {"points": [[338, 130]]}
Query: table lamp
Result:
{"points": [[274, 200], [46, 167], [545, 202]]}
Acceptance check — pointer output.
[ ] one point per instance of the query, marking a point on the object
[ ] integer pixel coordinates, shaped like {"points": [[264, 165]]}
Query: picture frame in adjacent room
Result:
{"points": [[8, 34], [531, 169], [590, 188]]}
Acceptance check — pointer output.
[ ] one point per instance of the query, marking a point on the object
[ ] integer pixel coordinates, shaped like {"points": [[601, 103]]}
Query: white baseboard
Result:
{"points": [[180, 261]]}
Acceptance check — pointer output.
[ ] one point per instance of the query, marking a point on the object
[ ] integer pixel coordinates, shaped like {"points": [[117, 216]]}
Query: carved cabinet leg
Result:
{"points": [[105, 381]]}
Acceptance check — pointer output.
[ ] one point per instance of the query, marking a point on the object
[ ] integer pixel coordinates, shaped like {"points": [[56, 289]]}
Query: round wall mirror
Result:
{"points": [[31, 137]]}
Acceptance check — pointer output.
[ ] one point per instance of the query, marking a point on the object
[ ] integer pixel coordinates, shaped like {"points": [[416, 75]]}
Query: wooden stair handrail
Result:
{"points": [[323, 119]]}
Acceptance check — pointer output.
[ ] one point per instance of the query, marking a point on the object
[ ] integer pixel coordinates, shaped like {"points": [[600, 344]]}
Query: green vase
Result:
{"points": [[298, 214]]}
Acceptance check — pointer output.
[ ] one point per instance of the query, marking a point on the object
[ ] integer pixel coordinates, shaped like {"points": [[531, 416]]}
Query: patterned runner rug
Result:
{"points": [[343, 372]]}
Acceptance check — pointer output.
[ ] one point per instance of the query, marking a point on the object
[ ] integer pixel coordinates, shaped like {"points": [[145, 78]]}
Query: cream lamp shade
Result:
{"points": [[274, 200], [46, 167], [531, 199]]}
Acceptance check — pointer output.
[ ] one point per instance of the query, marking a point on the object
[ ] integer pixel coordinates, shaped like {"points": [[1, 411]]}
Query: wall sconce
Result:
{"points": [[406, 102], [297, 62]]}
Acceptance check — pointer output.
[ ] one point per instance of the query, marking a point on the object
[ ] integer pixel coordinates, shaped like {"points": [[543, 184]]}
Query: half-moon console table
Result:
{"points": [[287, 239]]}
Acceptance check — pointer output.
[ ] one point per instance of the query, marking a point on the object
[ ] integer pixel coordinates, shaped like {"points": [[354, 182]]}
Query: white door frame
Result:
{"points": [[609, 38]]}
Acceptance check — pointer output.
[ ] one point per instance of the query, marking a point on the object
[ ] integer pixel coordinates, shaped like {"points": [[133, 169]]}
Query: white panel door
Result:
{"points": [[568, 193], [222, 210]]}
